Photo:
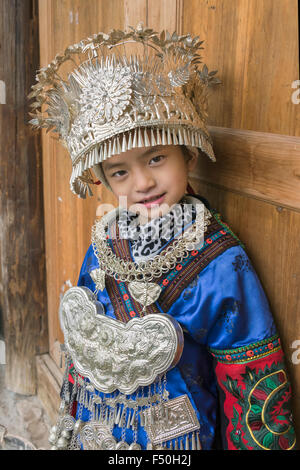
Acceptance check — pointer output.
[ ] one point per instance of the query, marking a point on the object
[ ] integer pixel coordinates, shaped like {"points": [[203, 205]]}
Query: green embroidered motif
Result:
{"points": [[265, 420], [217, 216]]}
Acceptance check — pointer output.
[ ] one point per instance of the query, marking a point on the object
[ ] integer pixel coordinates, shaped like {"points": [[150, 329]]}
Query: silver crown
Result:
{"points": [[111, 102]]}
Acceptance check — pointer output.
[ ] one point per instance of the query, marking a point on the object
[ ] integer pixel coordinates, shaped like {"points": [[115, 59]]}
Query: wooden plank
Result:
{"points": [[261, 165], [162, 15], [49, 380], [21, 204], [254, 46], [270, 234]]}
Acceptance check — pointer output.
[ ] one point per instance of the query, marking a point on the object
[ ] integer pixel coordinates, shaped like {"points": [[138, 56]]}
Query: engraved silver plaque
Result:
{"points": [[116, 355], [178, 418]]}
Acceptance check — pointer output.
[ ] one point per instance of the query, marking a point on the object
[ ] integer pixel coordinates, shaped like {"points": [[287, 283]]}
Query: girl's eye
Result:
{"points": [[117, 173], [157, 159]]}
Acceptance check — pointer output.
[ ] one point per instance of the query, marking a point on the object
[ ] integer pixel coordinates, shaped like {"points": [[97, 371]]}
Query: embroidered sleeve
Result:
{"points": [[231, 315], [255, 396]]}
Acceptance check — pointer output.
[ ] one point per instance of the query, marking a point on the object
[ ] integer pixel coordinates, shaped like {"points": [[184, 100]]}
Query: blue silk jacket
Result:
{"points": [[232, 366]]}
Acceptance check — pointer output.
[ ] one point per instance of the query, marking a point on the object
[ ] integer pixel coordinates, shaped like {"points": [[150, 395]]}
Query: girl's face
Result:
{"points": [[159, 173]]}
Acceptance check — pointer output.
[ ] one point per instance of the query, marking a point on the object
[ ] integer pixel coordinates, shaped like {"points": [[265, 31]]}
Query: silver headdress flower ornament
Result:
{"points": [[109, 100]]}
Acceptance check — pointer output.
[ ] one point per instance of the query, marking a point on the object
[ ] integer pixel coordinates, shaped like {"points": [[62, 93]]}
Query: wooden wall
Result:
{"points": [[22, 264], [254, 122]]}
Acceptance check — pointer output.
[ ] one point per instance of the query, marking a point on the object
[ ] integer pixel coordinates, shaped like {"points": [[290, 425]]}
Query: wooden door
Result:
{"points": [[255, 123]]}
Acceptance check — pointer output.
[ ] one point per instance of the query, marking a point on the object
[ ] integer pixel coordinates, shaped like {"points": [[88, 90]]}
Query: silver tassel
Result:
{"points": [[176, 444], [134, 142], [87, 400], [153, 141], [175, 140], [201, 140], [108, 409], [118, 145], [91, 403], [193, 139], [97, 155], [92, 157], [158, 139], [109, 149], [180, 138], [199, 447], [140, 138], [86, 161], [117, 420], [181, 444], [122, 416], [146, 139], [105, 151], [189, 137], [124, 144], [128, 419], [133, 418], [129, 146], [101, 153], [185, 138], [163, 138], [142, 418], [97, 413], [169, 139], [187, 443], [113, 152], [193, 441]]}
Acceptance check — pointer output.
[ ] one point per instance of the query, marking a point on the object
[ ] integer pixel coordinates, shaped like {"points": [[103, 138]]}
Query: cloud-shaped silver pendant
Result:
{"points": [[116, 355]]}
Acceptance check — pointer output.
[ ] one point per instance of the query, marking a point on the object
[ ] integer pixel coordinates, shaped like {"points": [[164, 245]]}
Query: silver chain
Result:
{"points": [[145, 271]]}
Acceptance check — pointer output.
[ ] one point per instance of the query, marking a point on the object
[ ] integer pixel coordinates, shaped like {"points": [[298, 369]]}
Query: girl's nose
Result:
{"points": [[143, 181]]}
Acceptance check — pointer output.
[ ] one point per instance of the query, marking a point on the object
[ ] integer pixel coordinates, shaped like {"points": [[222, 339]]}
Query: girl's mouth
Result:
{"points": [[155, 200]]}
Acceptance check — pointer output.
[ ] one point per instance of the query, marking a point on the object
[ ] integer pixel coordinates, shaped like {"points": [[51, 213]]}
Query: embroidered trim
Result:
{"points": [[247, 353], [217, 215]]}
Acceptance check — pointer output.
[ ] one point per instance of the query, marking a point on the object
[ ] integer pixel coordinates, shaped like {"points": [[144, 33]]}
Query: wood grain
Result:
{"points": [[23, 292], [254, 46], [49, 378], [259, 164]]}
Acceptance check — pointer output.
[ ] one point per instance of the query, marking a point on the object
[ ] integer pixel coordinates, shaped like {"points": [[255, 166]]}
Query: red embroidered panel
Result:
{"points": [[257, 404]]}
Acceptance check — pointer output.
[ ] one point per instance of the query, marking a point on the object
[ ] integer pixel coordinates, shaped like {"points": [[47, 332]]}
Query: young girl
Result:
{"points": [[169, 338]]}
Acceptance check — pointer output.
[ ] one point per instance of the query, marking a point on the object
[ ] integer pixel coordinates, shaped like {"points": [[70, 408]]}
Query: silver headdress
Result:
{"points": [[110, 102]]}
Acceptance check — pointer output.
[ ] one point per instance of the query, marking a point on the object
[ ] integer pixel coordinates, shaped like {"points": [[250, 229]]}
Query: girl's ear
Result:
{"points": [[192, 162]]}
